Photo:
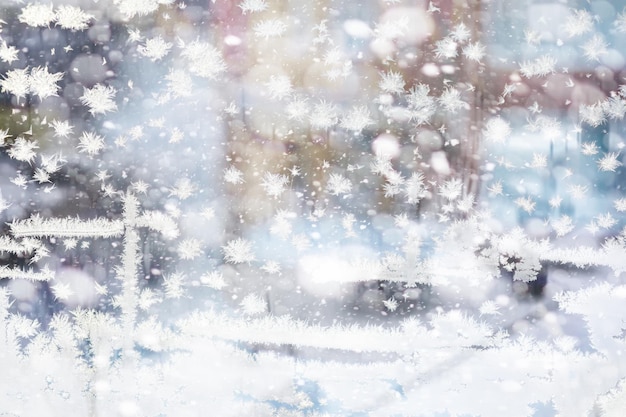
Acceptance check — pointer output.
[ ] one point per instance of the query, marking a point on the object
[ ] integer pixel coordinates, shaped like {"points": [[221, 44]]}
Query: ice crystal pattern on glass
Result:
{"points": [[303, 209]]}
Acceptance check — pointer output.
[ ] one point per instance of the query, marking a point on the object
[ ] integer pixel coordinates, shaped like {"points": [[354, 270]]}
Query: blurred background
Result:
{"points": [[313, 156]]}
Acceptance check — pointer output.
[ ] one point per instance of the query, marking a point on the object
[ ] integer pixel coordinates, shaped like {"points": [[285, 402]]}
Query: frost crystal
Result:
{"points": [[338, 184], [8, 54], [252, 6], [595, 47], [43, 83], [578, 23], [274, 184], [323, 116], [155, 48], [23, 150], [609, 162], [233, 175], [391, 82], [497, 130], [446, 48], [357, 119], [253, 304], [450, 100], [99, 99], [90, 143], [16, 82], [238, 251], [474, 51], [204, 59], [279, 87], [270, 28], [189, 249], [540, 67], [37, 15], [72, 18]]}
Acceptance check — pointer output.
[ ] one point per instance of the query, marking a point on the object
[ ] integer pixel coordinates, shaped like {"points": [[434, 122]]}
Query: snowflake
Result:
{"points": [[392, 29], [233, 176], [37, 15], [176, 136], [62, 291], [99, 99], [414, 188], [541, 66], [606, 221], [589, 148], [338, 184], [592, 114], [357, 119], [139, 186], [474, 51], [489, 307], [43, 83], [391, 82], [609, 162], [70, 243], [555, 202], [495, 188], [238, 251], [421, 106], [8, 54], [204, 60], [446, 48], [252, 6], [16, 82], [20, 181], [614, 107], [539, 160], [578, 23], [269, 28], [132, 8], [595, 47], [271, 267], [620, 204], [577, 191], [497, 130], [174, 285], [208, 213], [155, 48], [23, 150], [41, 176], [451, 189], [297, 109], [72, 18], [460, 33], [323, 116], [179, 83], [450, 100], [563, 225], [391, 304], [279, 87], [90, 143], [213, 280], [183, 189], [466, 203], [189, 249], [532, 37], [526, 204], [274, 184], [252, 305], [62, 129], [620, 22]]}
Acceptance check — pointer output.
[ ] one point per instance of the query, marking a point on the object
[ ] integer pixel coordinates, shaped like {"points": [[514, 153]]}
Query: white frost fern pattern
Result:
{"points": [[261, 208]]}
